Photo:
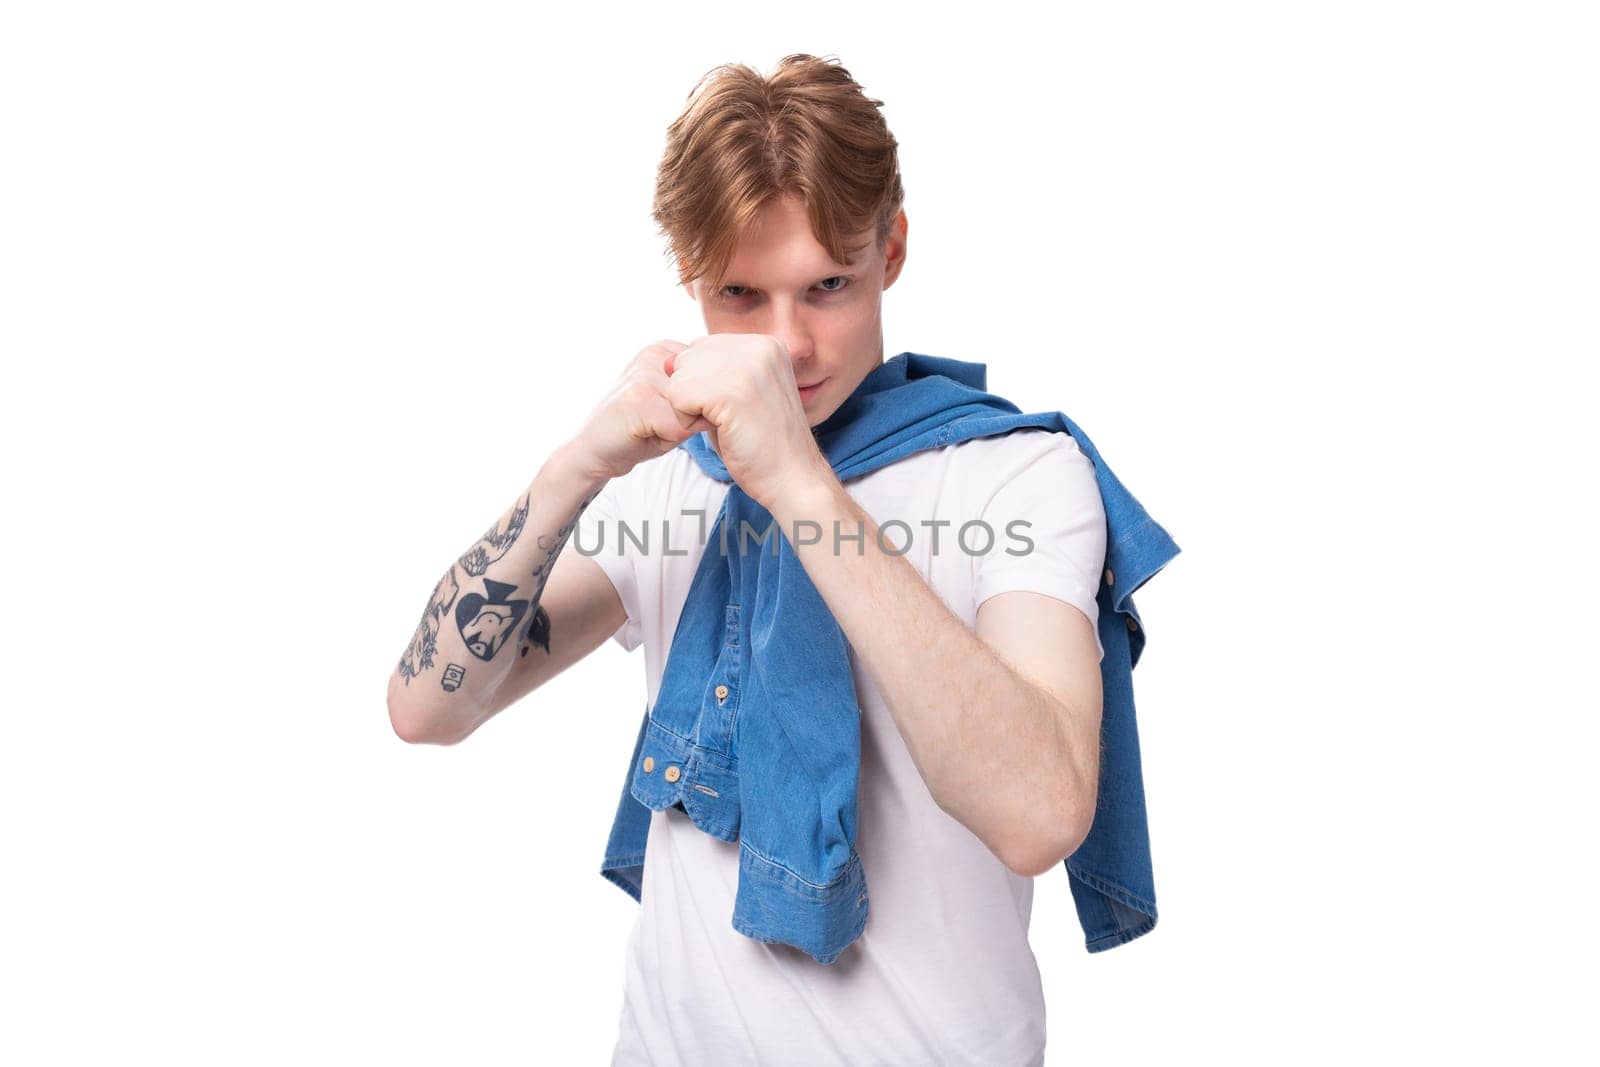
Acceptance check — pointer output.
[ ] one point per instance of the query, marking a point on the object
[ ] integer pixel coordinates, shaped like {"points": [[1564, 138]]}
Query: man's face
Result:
{"points": [[783, 283]]}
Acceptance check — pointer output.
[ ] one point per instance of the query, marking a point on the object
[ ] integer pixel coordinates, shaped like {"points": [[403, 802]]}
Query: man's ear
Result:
{"points": [[894, 249]]}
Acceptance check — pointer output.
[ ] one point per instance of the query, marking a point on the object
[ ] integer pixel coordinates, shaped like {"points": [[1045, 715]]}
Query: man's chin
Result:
{"points": [[817, 416]]}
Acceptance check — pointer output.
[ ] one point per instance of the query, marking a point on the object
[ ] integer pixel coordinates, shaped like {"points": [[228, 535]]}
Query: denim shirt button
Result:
{"points": [[1131, 624], [1108, 575], [671, 774], [722, 693], [649, 764]]}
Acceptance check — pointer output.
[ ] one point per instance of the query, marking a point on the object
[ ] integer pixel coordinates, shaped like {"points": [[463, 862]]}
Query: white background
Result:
{"points": [[296, 297]]}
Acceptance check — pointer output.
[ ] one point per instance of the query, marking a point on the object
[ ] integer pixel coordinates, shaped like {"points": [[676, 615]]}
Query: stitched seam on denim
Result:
{"points": [[667, 729], [741, 674], [824, 958], [698, 748], [1120, 937], [733, 716], [1114, 891], [1135, 531], [618, 861], [815, 885], [750, 931]]}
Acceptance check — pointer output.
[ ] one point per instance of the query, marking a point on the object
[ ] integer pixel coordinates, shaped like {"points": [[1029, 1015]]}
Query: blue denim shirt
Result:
{"points": [[755, 730]]}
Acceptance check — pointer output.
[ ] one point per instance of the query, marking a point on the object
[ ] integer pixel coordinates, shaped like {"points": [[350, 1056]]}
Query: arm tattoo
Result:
{"points": [[487, 619], [419, 656], [491, 546], [538, 631], [453, 673], [496, 542]]}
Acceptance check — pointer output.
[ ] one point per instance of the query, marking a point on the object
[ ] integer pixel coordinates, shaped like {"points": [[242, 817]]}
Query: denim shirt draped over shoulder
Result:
{"points": [[755, 730]]}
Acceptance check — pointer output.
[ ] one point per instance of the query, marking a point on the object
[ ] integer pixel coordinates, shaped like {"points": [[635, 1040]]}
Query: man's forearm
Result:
{"points": [[485, 609], [991, 745]]}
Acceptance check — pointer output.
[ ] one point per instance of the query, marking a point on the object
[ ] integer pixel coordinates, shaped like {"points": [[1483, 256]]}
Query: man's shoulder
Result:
{"points": [[980, 460], [999, 458]]}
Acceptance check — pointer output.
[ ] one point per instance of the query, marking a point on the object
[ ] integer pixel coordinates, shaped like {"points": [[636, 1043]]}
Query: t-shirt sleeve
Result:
{"points": [[1049, 525], [596, 537]]}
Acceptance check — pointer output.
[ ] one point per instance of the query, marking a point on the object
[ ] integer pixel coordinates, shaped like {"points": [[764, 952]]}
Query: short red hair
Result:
{"points": [[745, 140]]}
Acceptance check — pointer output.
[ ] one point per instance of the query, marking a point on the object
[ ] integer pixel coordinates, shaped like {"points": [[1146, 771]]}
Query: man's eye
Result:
{"points": [[736, 292]]}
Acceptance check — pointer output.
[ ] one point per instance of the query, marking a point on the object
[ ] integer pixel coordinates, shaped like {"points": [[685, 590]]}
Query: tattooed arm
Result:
{"points": [[493, 607], [514, 611]]}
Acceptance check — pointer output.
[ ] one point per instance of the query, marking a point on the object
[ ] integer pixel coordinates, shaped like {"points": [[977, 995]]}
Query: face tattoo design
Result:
{"points": [[486, 622]]}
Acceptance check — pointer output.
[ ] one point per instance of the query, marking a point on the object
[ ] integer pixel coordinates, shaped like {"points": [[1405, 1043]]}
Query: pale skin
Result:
{"points": [[1002, 720]]}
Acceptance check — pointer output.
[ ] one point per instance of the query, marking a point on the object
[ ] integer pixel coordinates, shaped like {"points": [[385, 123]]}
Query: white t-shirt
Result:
{"points": [[943, 972]]}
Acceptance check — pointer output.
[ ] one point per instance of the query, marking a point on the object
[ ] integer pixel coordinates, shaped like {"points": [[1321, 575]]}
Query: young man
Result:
{"points": [[976, 666]]}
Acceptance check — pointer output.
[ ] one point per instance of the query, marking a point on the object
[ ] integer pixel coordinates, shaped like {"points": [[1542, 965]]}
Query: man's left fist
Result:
{"points": [[744, 385]]}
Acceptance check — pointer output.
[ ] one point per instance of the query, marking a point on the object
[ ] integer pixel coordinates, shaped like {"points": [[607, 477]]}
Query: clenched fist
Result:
{"points": [[636, 421], [743, 386]]}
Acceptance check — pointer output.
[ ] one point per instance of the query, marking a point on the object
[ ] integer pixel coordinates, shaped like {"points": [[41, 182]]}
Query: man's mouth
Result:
{"points": [[809, 391]]}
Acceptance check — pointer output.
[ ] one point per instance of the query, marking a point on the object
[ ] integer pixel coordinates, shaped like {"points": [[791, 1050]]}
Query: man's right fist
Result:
{"points": [[635, 422]]}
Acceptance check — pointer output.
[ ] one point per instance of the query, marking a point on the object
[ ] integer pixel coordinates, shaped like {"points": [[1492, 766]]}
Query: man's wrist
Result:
{"points": [[571, 465], [811, 494]]}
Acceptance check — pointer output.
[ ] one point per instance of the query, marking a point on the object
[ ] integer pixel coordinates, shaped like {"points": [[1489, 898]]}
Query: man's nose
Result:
{"points": [[788, 328]]}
